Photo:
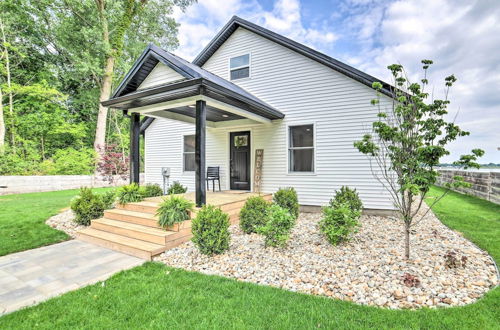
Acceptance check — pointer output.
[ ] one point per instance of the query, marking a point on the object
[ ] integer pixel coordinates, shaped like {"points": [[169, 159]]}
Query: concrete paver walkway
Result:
{"points": [[32, 276]]}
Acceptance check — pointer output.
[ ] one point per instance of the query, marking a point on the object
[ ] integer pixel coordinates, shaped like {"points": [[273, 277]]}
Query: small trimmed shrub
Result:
{"points": [[176, 188], [287, 198], [88, 206], [253, 214], [151, 190], [173, 209], [278, 226], [349, 196], [129, 194], [338, 222], [210, 230]]}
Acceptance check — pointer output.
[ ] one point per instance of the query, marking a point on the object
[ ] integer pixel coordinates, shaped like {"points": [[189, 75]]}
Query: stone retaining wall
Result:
{"points": [[485, 185], [38, 183]]}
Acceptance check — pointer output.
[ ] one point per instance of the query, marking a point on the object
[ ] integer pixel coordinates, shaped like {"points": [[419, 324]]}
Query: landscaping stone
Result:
{"points": [[64, 221], [367, 270]]}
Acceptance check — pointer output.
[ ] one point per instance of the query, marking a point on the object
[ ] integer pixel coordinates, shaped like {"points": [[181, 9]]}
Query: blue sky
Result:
{"points": [[461, 36]]}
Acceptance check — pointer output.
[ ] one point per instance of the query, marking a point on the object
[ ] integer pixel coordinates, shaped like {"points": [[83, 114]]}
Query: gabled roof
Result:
{"points": [[237, 22], [127, 95]]}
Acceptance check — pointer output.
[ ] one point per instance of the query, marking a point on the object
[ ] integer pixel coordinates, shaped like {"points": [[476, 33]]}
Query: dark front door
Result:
{"points": [[239, 163]]}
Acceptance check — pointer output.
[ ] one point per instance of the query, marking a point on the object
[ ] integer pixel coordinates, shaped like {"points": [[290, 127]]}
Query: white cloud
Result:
{"points": [[462, 37], [201, 21]]}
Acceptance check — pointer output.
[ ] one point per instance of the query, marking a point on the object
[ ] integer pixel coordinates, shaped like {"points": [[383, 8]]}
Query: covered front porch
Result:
{"points": [[196, 97]]}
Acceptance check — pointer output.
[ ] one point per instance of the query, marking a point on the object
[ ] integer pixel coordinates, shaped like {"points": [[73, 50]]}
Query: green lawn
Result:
{"points": [[155, 296], [23, 216]]}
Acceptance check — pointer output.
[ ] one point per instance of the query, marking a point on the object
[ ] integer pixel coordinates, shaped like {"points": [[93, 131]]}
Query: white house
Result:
{"points": [[252, 89]]}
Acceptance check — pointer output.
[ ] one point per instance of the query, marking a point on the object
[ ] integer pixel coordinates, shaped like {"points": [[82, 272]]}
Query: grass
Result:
{"points": [[477, 219], [23, 216], [156, 296]]}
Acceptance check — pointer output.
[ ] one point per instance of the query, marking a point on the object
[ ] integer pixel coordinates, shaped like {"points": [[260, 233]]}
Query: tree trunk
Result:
{"points": [[2, 124], [100, 132], [9, 92], [407, 241]]}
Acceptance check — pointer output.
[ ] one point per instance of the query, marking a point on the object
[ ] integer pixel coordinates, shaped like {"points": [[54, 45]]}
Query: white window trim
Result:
{"points": [[240, 67], [288, 172], [186, 152]]}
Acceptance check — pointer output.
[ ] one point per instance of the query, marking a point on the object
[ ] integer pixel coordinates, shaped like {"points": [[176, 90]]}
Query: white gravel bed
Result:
{"points": [[64, 221], [367, 270]]}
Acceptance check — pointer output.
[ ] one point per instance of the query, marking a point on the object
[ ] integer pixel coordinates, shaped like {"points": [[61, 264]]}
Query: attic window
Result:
{"points": [[239, 67]]}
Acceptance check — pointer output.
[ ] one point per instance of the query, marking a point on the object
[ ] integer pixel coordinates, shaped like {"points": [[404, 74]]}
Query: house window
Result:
{"points": [[239, 67], [188, 153], [301, 148]]}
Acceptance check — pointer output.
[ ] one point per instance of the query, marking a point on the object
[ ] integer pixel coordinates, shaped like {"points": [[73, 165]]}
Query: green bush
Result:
{"points": [[210, 230], [87, 205], [129, 194], [253, 214], [151, 190], [176, 188], [339, 222], [278, 226], [173, 209], [287, 198], [349, 196]]}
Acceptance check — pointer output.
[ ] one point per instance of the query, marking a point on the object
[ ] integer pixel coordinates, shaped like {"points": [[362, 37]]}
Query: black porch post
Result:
{"points": [[201, 192], [135, 134]]}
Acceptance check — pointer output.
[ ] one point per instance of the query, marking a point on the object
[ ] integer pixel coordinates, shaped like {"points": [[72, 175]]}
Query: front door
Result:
{"points": [[239, 162]]}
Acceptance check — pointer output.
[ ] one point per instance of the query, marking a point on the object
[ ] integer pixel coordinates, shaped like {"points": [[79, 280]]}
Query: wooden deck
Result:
{"points": [[133, 228]]}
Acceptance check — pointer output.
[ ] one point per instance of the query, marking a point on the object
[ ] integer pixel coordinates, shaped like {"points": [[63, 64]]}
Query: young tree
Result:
{"points": [[407, 142]]}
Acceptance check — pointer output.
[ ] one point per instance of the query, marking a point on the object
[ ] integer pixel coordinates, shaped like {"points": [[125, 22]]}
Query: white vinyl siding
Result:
{"points": [[161, 74], [305, 91]]}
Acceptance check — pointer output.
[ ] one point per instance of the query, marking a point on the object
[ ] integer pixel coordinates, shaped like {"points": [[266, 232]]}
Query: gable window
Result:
{"points": [[301, 148], [239, 67], [188, 153]]}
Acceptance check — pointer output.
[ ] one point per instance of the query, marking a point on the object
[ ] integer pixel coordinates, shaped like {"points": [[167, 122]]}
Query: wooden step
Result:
{"points": [[145, 233], [144, 219], [144, 206], [131, 246]]}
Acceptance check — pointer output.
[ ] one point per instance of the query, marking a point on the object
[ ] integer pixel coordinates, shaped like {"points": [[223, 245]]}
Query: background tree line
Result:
{"points": [[58, 59]]}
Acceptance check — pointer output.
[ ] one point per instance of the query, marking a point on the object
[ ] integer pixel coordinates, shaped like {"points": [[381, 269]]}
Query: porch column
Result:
{"points": [[135, 133], [199, 153]]}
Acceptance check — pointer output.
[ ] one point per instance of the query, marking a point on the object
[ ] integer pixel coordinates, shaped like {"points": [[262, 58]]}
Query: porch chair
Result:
{"points": [[213, 175]]}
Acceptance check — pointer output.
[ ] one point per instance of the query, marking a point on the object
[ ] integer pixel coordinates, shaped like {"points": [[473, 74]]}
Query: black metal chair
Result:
{"points": [[213, 174]]}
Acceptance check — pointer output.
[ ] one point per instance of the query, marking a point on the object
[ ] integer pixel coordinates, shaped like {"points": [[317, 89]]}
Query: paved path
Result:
{"points": [[32, 276]]}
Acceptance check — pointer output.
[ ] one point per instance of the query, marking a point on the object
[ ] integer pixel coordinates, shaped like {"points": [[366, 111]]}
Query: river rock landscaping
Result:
{"points": [[65, 221], [370, 269]]}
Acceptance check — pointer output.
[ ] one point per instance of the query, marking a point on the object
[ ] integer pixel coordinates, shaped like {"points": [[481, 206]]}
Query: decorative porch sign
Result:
{"points": [[257, 176]]}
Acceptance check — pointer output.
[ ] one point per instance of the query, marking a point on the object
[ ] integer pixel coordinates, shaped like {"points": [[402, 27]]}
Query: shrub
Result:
{"points": [[338, 222], [210, 230], [88, 206], [151, 190], [176, 188], [349, 196], [129, 193], [253, 214], [112, 162], [72, 162], [278, 226], [287, 198], [172, 210]]}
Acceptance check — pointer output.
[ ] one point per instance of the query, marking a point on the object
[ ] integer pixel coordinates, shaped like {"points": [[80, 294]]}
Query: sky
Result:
{"points": [[462, 37]]}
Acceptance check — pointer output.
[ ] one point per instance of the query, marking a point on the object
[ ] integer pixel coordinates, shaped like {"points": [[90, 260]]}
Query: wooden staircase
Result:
{"points": [[133, 228]]}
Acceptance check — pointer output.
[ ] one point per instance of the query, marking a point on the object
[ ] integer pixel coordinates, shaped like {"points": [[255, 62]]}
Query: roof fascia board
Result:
{"points": [[151, 91]]}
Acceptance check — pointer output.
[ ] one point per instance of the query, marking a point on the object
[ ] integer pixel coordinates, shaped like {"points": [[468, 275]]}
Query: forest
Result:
{"points": [[58, 60]]}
